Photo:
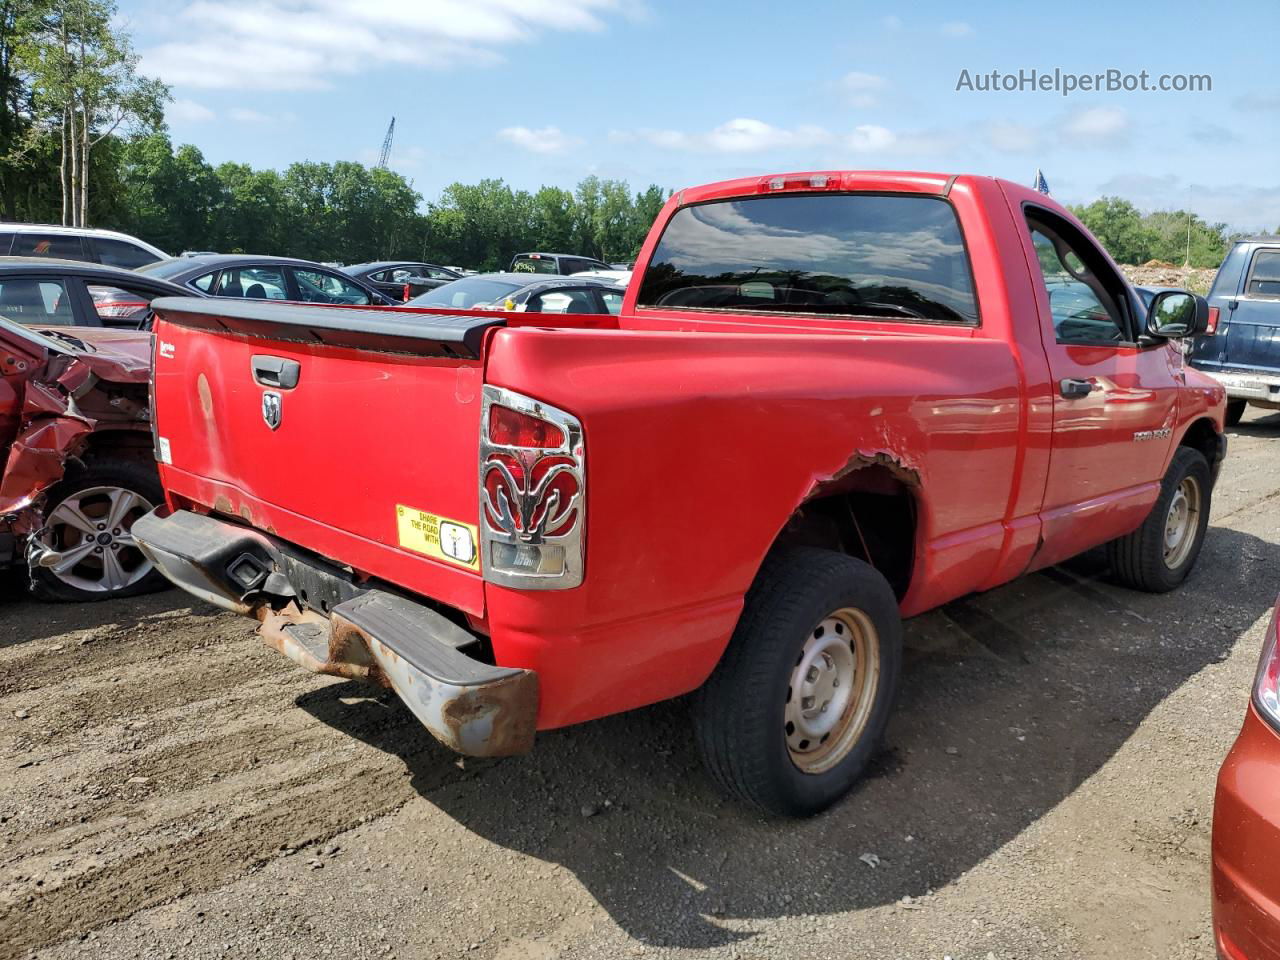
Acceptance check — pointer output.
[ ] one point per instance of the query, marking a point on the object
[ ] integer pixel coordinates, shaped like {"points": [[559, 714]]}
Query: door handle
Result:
{"points": [[276, 371], [1074, 389]]}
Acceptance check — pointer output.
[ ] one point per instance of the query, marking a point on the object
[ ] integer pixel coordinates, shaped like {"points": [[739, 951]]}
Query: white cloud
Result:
{"points": [[1095, 126], [188, 111], [957, 28], [1009, 137], [745, 135], [245, 115], [304, 44], [541, 140], [863, 89], [741, 135], [869, 138]]}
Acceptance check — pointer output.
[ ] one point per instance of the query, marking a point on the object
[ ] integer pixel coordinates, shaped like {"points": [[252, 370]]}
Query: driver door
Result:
{"points": [[1115, 401]]}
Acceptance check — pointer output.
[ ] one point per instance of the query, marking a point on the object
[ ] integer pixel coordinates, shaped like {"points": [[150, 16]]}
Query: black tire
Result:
{"points": [[1138, 560], [1235, 410], [739, 712], [138, 477]]}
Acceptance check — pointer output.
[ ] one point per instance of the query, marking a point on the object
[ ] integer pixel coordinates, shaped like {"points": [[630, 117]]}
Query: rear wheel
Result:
{"points": [[1160, 554], [799, 702], [1235, 410], [87, 550]]}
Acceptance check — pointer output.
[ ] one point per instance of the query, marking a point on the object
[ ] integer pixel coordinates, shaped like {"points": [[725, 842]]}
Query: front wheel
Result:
{"points": [[797, 706], [1160, 554], [86, 550], [1235, 410]]}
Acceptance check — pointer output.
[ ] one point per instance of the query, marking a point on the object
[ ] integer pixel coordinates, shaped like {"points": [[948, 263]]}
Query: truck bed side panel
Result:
{"points": [[699, 447]]}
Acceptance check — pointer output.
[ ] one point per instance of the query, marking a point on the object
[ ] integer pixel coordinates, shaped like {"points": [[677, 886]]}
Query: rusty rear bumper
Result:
{"points": [[365, 634]]}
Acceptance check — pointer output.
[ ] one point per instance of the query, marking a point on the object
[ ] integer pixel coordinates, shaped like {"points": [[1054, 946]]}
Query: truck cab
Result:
{"points": [[1241, 348]]}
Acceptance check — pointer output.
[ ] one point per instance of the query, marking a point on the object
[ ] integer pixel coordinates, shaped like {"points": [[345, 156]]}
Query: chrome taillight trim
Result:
{"points": [[497, 519]]}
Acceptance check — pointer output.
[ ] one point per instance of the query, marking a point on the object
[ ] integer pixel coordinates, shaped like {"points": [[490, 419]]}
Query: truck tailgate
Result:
{"points": [[353, 433]]}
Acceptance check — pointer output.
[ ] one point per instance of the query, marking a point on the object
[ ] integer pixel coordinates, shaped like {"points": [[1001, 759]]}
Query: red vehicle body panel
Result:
{"points": [[703, 433], [1246, 842]]}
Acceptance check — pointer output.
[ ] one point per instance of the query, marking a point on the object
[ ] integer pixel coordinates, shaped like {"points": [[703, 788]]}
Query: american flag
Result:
{"points": [[1040, 184]]}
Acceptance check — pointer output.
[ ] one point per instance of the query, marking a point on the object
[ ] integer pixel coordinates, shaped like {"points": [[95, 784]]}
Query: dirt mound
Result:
{"points": [[1156, 273]]}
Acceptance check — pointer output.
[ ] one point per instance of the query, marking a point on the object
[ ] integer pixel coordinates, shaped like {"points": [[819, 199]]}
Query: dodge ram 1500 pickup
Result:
{"points": [[830, 401]]}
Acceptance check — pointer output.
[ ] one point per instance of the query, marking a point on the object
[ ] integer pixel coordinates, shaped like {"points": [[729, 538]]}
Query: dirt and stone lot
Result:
{"points": [[174, 789]]}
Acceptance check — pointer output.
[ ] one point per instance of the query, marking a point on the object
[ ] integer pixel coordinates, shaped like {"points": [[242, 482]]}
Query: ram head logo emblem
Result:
{"points": [[530, 496]]}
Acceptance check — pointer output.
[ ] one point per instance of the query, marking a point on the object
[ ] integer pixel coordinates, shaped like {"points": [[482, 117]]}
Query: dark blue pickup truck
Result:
{"points": [[1241, 347]]}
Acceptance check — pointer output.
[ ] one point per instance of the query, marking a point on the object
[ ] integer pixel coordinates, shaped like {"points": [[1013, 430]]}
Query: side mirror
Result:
{"points": [[1177, 313]]}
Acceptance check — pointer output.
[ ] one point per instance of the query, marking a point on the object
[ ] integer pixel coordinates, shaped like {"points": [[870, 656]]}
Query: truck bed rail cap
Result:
{"points": [[375, 329]]}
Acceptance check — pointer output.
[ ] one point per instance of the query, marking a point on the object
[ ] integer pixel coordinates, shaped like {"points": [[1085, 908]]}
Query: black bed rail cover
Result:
{"points": [[386, 329]]}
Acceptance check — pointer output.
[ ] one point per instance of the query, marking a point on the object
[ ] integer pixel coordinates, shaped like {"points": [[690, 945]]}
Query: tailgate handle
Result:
{"points": [[276, 372]]}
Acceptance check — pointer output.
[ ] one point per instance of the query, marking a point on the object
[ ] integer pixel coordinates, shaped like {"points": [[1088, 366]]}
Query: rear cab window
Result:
{"points": [[874, 256]]}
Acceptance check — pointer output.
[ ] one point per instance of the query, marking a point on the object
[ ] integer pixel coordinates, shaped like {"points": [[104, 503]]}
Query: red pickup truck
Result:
{"points": [[830, 401]]}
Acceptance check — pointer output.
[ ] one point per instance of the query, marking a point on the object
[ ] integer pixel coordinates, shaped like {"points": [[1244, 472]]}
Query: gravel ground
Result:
{"points": [[174, 789]]}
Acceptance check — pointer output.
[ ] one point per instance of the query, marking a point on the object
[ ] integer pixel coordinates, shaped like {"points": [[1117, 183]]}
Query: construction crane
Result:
{"points": [[386, 145]]}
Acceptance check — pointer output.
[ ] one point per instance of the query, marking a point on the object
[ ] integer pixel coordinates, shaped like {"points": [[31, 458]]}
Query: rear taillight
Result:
{"points": [[532, 493], [1266, 688], [511, 428], [1212, 326]]}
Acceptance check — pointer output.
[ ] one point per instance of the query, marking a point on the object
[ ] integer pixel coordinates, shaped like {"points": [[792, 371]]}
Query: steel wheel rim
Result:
{"points": [[90, 532], [831, 690], [1182, 523]]}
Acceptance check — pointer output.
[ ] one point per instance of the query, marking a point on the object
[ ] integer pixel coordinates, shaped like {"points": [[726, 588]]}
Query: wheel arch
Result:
{"points": [[870, 510], [1203, 435]]}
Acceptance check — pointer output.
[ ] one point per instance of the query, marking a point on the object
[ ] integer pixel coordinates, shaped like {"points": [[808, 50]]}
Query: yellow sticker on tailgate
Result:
{"points": [[449, 540]]}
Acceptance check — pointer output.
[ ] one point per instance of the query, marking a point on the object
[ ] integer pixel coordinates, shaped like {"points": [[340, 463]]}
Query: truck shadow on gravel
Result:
{"points": [[1010, 701]]}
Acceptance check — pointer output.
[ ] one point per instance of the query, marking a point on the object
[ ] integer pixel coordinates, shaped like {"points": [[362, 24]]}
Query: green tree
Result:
{"points": [[1170, 228], [86, 86], [1119, 227]]}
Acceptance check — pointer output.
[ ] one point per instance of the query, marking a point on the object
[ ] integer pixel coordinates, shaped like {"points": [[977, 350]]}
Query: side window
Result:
{"points": [[119, 307], [435, 273], [36, 302], [1083, 309], [204, 283], [60, 245], [319, 286], [612, 301], [6, 243], [119, 253], [253, 283], [562, 301], [1264, 275]]}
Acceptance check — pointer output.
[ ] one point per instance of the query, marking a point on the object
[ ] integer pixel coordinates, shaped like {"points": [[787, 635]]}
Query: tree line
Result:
{"points": [[1170, 236], [346, 212]]}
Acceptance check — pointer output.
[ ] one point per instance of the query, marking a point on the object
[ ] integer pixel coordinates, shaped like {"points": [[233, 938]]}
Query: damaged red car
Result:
{"points": [[75, 444]]}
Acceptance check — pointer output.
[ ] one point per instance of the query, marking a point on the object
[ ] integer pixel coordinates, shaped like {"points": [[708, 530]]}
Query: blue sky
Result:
{"points": [[548, 91]]}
